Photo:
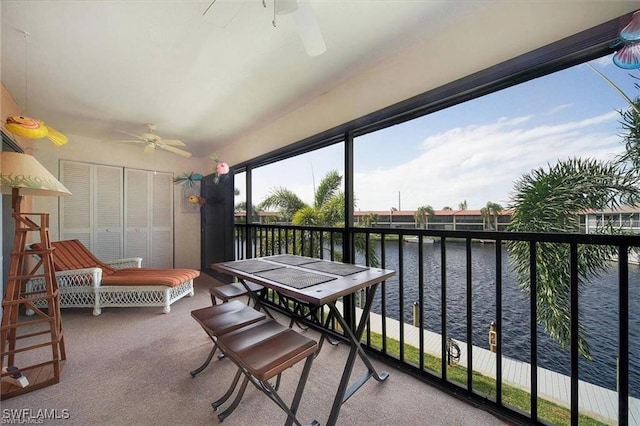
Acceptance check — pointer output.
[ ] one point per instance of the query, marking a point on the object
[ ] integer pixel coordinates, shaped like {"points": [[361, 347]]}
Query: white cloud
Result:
{"points": [[476, 163], [559, 108], [480, 163]]}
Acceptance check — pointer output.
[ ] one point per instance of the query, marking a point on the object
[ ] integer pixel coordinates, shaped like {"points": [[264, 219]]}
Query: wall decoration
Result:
{"points": [[191, 200], [220, 169], [188, 179]]}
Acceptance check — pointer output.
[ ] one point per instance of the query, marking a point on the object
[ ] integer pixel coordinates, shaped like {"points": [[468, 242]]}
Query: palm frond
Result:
{"points": [[307, 216], [328, 187], [283, 199], [549, 200], [630, 158], [332, 209], [615, 87]]}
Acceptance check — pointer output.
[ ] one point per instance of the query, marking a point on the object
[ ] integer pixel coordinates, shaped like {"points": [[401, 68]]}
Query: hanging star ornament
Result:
{"points": [[188, 179], [32, 128]]}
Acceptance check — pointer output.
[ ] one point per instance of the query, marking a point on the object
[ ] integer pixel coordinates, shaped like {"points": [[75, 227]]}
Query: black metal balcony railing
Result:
{"points": [[455, 287]]}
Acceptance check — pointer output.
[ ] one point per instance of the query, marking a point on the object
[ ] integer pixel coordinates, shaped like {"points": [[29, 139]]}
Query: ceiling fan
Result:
{"points": [[300, 10], [153, 141]]}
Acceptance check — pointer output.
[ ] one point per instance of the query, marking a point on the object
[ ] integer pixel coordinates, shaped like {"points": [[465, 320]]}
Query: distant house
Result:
{"points": [[457, 220], [263, 217], [450, 220], [625, 218]]}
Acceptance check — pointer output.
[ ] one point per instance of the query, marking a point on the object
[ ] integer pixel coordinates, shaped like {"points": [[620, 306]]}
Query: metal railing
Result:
{"points": [[425, 286]]}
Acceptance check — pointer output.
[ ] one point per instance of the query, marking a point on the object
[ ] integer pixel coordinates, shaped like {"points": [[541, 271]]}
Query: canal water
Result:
{"points": [[598, 307]]}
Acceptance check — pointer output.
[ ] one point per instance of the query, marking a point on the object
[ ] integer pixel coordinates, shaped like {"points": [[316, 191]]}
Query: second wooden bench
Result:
{"points": [[261, 351]]}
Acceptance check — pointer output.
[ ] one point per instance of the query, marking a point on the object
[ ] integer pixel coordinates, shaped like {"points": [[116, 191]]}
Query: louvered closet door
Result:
{"points": [[149, 217], [137, 217], [108, 229], [76, 221], [161, 248], [93, 213]]}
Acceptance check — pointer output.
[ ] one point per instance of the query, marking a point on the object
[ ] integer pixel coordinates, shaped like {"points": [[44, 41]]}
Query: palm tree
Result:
{"points": [[420, 214], [255, 212], [549, 201], [491, 211], [327, 211], [629, 160], [462, 205], [285, 201], [370, 220]]}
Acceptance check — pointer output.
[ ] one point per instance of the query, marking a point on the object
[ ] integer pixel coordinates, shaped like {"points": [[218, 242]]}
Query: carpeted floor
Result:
{"points": [[130, 366]]}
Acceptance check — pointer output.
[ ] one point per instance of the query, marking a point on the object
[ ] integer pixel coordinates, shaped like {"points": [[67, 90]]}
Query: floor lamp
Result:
{"points": [[31, 349]]}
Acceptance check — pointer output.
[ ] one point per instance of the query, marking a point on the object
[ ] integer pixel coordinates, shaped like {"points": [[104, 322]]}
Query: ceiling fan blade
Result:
{"points": [[173, 142], [175, 150], [131, 134], [309, 29], [123, 141]]}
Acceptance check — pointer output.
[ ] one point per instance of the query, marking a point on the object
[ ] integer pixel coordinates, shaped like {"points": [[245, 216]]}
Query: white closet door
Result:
{"points": [[76, 221], [119, 212], [137, 215], [161, 246], [108, 226], [93, 213]]}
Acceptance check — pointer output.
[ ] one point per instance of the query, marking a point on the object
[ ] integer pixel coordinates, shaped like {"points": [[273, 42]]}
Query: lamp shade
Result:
{"points": [[25, 173]]}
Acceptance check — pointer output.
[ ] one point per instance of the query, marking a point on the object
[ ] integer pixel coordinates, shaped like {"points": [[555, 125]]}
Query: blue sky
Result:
{"points": [[475, 151]]}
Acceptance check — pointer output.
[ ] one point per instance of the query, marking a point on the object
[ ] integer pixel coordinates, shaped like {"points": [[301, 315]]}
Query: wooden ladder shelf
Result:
{"points": [[34, 344]]}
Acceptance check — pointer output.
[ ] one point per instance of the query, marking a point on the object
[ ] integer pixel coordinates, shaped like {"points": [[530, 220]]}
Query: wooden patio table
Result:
{"points": [[317, 283]]}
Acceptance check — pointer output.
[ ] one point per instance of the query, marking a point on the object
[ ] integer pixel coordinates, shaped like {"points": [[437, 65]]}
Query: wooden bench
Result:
{"points": [[226, 292], [230, 291], [261, 351], [220, 319]]}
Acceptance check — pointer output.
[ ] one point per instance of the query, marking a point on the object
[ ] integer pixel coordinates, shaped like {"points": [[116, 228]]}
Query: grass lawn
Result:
{"points": [[486, 386]]}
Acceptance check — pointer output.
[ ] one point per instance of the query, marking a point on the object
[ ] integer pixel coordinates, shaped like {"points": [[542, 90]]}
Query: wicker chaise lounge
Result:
{"points": [[85, 281]]}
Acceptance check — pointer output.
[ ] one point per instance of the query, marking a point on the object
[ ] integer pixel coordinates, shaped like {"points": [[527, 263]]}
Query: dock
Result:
{"points": [[594, 401]]}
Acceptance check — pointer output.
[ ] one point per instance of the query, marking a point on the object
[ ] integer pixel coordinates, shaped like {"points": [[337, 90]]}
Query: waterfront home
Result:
{"points": [[626, 219]]}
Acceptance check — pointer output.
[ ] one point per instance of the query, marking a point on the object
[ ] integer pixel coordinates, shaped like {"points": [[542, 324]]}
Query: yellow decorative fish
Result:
{"points": [[55, 136], [194, 199], [26, 127], [34, 129]]}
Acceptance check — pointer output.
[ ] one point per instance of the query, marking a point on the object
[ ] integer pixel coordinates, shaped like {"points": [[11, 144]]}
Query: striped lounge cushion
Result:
{"points": [[72, 254], [150, 276]]}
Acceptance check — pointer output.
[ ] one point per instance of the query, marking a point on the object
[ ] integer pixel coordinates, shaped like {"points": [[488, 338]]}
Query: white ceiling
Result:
{"points": [[92, 67]]}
